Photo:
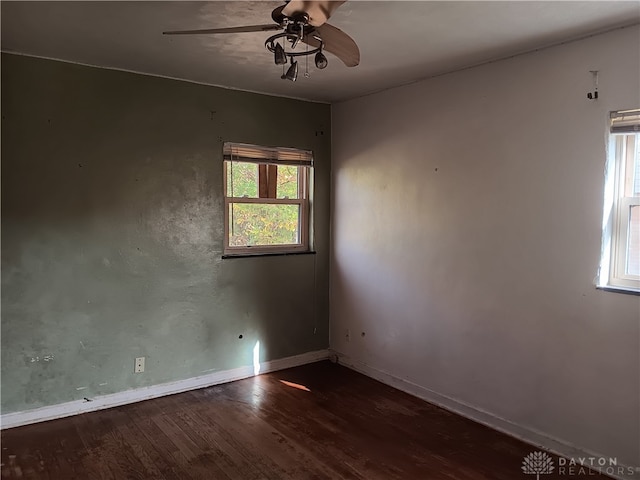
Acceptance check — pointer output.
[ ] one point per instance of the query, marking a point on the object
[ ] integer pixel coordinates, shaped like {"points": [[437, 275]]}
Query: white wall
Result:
{"points": [[466, 230]]}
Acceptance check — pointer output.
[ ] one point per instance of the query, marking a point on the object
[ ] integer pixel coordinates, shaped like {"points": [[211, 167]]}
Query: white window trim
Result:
{"points": [[612, 273], [303, 202]]}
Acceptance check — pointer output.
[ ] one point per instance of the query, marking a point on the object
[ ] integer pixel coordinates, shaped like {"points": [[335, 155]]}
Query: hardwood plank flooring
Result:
{"points": [[325, 422]]}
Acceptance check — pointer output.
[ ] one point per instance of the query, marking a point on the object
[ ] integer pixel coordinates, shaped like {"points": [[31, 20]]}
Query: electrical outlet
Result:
{"points": [[139, 368]]}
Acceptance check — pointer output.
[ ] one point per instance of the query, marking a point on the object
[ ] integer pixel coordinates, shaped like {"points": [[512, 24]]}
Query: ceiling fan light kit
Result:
{"points": [[279, 55], [301, 21], [292, 73], [321, 60]]}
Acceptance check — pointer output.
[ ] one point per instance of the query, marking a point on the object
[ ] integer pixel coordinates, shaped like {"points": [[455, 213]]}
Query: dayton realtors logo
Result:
{"points": [[537, 463], [541, 463]]}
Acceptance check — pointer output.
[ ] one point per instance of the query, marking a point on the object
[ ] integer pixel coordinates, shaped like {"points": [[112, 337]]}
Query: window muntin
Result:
{"points": [[266, 199], [620, 266]]}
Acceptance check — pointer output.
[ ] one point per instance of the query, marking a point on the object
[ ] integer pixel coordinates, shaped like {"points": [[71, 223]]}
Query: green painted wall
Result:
{"points": [[112, 226]]}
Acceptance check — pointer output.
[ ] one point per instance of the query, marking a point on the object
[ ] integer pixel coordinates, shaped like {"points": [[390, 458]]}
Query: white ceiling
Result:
{"points": [[400, 42]]}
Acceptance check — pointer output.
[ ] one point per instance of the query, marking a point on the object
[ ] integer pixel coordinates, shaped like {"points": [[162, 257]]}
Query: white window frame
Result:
{"points": [[261, 155], [623, 151]]}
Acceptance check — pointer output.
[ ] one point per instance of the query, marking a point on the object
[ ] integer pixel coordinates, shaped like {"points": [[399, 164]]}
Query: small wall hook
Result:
{"points": [[594, 95]]}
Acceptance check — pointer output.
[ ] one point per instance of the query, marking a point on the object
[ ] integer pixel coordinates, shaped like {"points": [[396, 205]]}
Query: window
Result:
{"points": [[266, 199], [620, 266]]}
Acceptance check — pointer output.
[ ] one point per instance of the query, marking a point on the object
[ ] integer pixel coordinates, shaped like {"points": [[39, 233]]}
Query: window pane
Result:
{"points": [[636, 169], [242, 179], [287, 181], [253, 224], [633, 249], [632, 166]]}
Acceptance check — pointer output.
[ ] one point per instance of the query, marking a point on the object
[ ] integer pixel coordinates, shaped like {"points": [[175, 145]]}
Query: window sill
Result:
{"points": [[265, 254], [623, 290]]}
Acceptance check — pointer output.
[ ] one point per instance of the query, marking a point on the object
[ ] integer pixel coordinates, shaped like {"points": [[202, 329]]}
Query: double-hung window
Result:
{"points": [[267, 194], [620, 266]]}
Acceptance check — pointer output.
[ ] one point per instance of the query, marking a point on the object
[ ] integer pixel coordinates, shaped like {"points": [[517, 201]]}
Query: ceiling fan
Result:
{"points": [[299, 21]]}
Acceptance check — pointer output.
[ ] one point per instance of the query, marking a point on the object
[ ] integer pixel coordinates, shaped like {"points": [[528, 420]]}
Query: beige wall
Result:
{"points": [[466, 238]]}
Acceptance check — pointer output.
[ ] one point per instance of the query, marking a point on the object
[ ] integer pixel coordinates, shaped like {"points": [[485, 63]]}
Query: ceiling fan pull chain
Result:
{"points": [[306, 61]]}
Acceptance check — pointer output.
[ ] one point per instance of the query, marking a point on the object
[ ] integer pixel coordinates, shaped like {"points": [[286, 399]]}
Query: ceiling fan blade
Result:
{"points": [[277, 14], [319, 11], [336, 42], [248, 28]]}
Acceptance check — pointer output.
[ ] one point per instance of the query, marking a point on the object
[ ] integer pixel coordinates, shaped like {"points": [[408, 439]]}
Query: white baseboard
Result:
{"points": [[67, 409], [528, 435]]}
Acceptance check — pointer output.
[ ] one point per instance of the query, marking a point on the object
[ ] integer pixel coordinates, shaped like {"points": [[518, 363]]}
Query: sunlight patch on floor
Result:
{"points": [[295, 385]]}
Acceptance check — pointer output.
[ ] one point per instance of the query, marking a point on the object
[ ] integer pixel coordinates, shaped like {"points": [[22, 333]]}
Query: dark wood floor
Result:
{"points": [[346, 426]]}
